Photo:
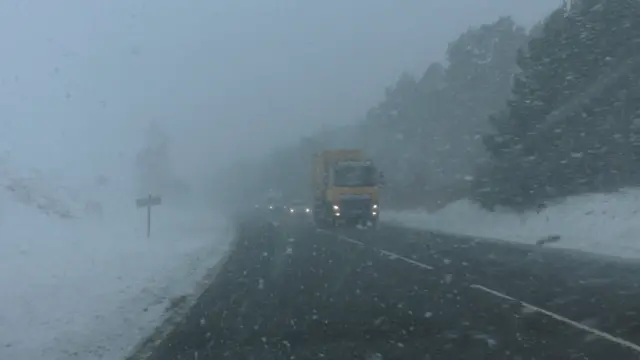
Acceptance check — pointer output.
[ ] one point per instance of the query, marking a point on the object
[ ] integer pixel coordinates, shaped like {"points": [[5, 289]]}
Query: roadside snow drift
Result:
{"points": [[80, 279], [600, 223]]}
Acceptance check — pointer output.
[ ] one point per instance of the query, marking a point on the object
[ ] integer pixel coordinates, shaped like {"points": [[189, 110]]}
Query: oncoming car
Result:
{"points": [[299, 209]]}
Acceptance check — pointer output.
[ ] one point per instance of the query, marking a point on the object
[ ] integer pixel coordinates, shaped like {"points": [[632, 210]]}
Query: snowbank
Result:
{"points": [[80, 279], [600, 223]]}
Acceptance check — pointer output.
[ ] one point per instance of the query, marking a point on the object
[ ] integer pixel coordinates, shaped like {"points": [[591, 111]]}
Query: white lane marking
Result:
{"points": [[528, 306], [410, 261], [560, 318], [383, 252], [351, 240]]}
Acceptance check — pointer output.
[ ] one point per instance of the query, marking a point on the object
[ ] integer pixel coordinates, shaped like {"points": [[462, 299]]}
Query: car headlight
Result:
{"points": [[307, 210], [375, 206], [291, 210], [336, 208]]}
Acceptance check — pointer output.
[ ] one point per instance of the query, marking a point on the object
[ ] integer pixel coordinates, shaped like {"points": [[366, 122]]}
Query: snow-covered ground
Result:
{"points": [[599, 223], [79, 279]]}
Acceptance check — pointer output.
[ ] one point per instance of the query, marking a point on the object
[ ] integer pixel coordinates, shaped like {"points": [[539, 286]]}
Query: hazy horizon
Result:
{"points": [[80, 82]]}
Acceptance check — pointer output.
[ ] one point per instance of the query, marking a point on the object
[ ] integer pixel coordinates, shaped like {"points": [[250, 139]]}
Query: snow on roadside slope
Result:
{"points": [[91, 286], [599, 223]]}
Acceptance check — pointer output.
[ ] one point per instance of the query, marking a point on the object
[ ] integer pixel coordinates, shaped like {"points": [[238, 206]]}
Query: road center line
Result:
{"points": [[383, 252], [411, 261], [550, 314], [560, 318], [351, 240]]}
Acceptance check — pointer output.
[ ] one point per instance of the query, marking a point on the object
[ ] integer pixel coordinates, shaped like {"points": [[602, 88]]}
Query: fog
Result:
{"points": [[80, 81]]}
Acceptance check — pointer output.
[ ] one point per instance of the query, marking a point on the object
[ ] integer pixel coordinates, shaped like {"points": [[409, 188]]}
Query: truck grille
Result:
{"points": [[355, 206]]}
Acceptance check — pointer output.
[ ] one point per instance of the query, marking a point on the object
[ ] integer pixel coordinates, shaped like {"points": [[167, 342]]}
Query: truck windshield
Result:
{"points": [[354, 176]]}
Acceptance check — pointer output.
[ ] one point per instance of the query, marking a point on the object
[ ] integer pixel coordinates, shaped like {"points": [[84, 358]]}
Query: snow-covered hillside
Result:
{"points": [[600, 223], [79, 279]]}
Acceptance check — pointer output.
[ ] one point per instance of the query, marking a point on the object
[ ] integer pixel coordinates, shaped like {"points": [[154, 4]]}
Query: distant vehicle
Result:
{"points": [[272, 202], [276, 207], [299, 212], [345, 187], [299, 208]]}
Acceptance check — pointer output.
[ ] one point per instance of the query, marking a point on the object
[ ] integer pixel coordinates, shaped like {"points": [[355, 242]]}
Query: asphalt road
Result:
{"points": [[290, 291]]}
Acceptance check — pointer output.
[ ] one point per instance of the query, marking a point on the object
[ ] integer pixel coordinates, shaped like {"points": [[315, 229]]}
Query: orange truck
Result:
{"points": [[345, 188]]}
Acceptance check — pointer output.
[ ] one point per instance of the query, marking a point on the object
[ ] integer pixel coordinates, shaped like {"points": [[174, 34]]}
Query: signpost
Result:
{"points": [[148, 202]]}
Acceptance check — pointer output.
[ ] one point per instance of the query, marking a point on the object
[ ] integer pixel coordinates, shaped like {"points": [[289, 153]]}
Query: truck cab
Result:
{"points": [[346, 189]]}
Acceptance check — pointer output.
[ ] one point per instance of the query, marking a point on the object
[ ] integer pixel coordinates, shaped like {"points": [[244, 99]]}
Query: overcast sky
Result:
{"points": [[81, 79]]}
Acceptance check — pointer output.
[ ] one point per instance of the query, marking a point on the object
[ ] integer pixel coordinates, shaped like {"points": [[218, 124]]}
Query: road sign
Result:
{"points": [[148, 202]]}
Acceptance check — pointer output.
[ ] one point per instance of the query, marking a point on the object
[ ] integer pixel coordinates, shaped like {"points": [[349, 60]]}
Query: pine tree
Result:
{"points": [[567, 127]]}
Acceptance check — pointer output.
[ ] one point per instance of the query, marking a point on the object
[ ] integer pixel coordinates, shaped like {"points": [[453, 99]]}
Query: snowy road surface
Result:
{"points": [[397, 293]]}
